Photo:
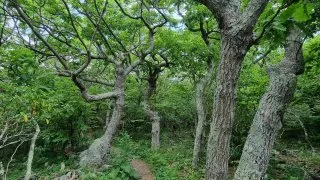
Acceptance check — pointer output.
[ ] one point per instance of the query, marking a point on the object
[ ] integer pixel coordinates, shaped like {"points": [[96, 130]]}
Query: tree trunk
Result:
{"points": [[267, 121], [2, 172], [97, 154], [108, 115], [200, 112], [155, 132], [232, 54], [152, 113], [236, 26], [31, 152]]}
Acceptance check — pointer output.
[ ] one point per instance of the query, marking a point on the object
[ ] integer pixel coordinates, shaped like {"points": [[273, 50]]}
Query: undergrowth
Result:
{"points": [[171, 162]]}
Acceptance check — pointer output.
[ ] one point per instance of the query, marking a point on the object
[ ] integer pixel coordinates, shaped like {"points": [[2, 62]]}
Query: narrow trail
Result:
{"points": [[143, 169]]}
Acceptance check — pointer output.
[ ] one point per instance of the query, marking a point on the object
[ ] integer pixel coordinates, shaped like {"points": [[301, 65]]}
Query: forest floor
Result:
{"points": [[143, 169], [131, 158]]}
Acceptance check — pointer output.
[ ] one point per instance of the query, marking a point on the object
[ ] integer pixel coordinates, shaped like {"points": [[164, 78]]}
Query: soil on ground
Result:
{"points": [[143, 169]]}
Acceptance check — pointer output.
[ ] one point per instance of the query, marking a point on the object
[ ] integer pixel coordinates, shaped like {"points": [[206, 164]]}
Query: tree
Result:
{"points": [[23, 104], [77, 37], [154, 66], [198, 20], [153, 72], [236, 27], [283, 78], [31, 151]]}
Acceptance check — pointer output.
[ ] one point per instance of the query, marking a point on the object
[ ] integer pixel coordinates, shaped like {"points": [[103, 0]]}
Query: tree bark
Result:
{"points": [[2, 172], [236, 27], [97, 154], [232, 55], [267, 121], [31, 152], [108, 116], [200, 112], [152, 113], [155, 132]]}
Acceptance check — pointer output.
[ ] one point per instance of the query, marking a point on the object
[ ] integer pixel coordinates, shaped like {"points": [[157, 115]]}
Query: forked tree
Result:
{"points": [[80, 37], [153, 60], [236, 27], [237, 21]]}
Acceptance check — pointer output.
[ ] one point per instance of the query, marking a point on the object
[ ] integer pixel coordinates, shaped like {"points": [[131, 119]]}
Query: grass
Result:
{"points": [[293, 161]]}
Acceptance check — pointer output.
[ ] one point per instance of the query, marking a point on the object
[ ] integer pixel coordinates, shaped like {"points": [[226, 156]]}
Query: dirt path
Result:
{"points": [[143, 169]]}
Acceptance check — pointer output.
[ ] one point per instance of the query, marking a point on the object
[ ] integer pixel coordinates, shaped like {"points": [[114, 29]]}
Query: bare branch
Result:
{"points": [[88, 61], [124, 12], [11, 158], [105, 40], [10, 143]]}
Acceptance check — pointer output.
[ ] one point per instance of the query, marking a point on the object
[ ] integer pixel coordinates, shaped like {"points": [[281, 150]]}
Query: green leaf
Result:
{"points": [[302, 13], [126, 168], [114, 173], [286, 14]]}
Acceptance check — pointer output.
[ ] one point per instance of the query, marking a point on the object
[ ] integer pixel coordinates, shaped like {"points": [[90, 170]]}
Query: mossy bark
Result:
{"points": [[267, 121]]}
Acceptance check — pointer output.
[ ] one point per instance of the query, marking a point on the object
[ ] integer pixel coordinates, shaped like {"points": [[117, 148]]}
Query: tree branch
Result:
{"points": [[264, 55], [29, 23], [132, 66], [108, 95], [68, 74], [11, 158], [73, 25], [225, 11], [251, 14], [2, 28], [267, 24]]}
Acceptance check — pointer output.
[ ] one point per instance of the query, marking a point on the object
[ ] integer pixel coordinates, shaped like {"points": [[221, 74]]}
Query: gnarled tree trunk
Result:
{"points": [[152, 113], [200, 112], [97, 154], [267, 121]]}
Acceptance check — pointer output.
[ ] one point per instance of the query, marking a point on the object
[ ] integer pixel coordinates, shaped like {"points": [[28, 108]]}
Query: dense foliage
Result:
{"points": [[36, 89]]}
